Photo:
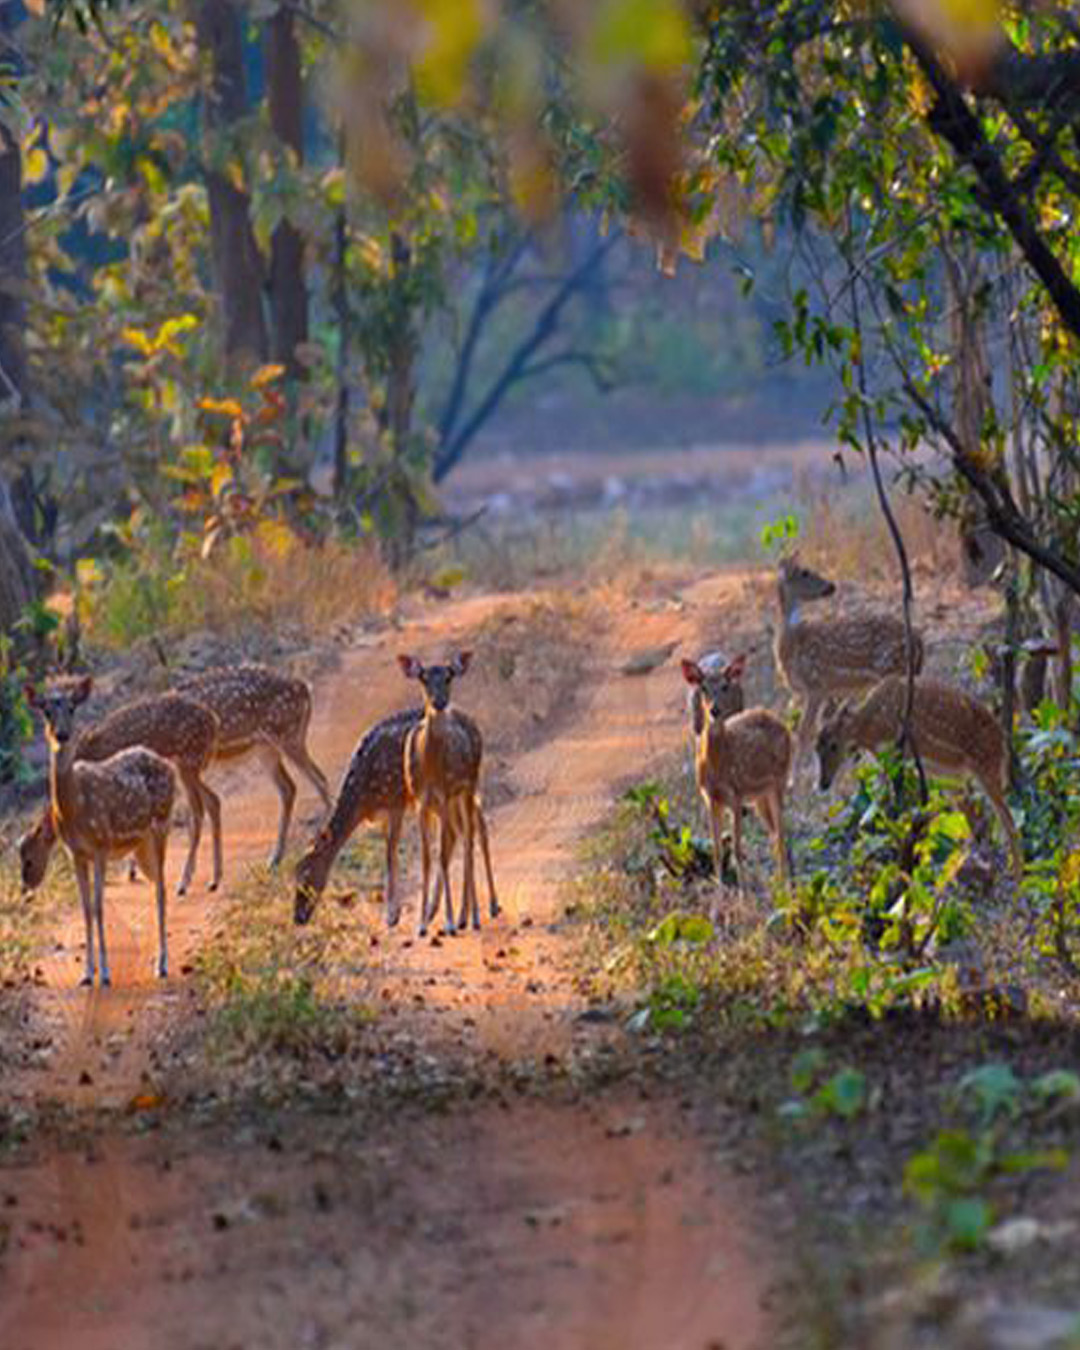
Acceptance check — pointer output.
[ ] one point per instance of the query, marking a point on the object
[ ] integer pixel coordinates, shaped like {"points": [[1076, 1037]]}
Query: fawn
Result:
{"points": [[828, 657], [179, 730], [118, 806], [263, 712], [442, 771], [741, 758], [373, 788], [953, 733]]}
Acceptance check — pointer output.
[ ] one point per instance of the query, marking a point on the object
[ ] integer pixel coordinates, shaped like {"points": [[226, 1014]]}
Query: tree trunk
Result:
{"points": [[17, 576], [288, 289], [238, 269]]}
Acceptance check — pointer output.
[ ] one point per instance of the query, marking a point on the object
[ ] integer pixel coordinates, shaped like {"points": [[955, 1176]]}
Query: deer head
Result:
{"points": [[721, 690], [436, 680], [35, 849], [832, 742], [56, 705], [798, 582]]}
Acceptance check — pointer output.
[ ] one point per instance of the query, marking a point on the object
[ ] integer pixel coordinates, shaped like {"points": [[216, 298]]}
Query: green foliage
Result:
{"points": [[952, 1177], [682, 855], [892, 880], [780, 532], [819, 1095], [268, 987], [16, 721]]}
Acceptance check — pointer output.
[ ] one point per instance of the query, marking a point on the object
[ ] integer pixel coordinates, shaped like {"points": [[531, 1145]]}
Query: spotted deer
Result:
{"points": [[374, 788], [742, 759], [442, 759], [113, 808], [954, 734], [825, 658], [262, 712], [176, 728]]}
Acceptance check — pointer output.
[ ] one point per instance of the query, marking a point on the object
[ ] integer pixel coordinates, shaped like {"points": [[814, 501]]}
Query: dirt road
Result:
{"points": [[569, 1223]]}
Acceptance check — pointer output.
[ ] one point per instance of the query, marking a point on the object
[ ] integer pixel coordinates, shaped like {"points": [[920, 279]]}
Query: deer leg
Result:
{"points": [[196, 811], [297, 752], [774, 819], [715, 811], [805, 737], [1005, 816], [82, 876], [212, 802], [99, 917], [425, 865], [447, 840], [157, 849], [393, 839], [482, 831], [736, 840], [286, 791], [470, 909]]}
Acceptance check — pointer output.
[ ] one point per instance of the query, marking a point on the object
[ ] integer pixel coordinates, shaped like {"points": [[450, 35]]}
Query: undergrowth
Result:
{"points": [[271, 989]]}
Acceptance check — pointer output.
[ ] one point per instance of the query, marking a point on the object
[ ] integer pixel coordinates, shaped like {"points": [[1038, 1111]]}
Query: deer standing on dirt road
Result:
{"points": [[263, 712], [109, 809], [176, 728], [442, 773], [954, 734], [821, 659], [744, 758], [374, 788]]}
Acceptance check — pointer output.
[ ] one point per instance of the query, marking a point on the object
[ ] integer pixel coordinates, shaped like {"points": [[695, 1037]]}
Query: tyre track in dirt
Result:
{"points": [[510, 990]]}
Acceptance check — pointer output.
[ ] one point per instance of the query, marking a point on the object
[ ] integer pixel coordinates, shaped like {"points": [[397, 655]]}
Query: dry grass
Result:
{"points": [[850, 540], [275, 583]]}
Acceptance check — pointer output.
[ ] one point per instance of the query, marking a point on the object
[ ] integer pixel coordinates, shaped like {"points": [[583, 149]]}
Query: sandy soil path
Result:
{"points": [[556, 1225]]}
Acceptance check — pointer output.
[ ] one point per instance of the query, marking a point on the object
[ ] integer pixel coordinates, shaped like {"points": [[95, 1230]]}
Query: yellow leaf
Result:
{"points": [[87, 572], [221, 407], [135, 337], [220, 479], [453, 32], [266, 375], [35, 166], [276, 536]]}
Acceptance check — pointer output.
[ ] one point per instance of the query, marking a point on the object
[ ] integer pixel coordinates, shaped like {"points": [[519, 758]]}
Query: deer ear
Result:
{"points": [[736, 669], [411, 666], [691, 672], [83, 688], [460, 664]]}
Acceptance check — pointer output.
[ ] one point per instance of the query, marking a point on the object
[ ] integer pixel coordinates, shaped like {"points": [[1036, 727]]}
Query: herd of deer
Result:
{"points": [[112, 786], [746, 757]]}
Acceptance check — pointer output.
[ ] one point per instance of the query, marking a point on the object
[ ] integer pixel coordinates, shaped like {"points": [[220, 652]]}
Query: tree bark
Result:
{"points": [[237, 265], [288, 288]]}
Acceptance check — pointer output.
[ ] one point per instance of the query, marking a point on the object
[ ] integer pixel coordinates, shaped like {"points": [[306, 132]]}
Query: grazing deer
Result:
{"points": [[825, 658], [442, 772], [953, 733], [263, 712], [741, 758], [374, 787], [176, 728], [109, 809]]}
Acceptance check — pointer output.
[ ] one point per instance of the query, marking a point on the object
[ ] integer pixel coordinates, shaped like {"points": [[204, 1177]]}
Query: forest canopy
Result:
{"points": [[228, 228]]}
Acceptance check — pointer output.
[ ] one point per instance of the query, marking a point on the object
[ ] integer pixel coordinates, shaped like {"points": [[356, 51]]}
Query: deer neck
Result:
{"points": [[789, 607], [62, 780], [716, 735]]}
